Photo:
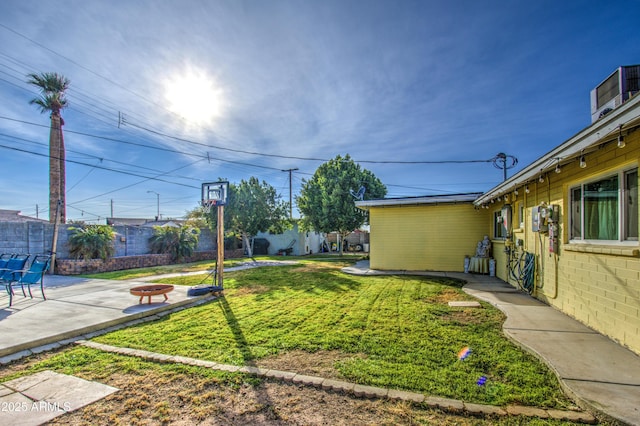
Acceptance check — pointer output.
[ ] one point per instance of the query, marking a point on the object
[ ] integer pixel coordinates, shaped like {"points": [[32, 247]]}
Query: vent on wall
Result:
{"points": [[615, 90]]}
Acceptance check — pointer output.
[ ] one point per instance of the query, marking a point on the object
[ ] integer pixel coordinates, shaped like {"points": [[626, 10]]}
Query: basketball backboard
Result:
{"points": [[215, 193]]}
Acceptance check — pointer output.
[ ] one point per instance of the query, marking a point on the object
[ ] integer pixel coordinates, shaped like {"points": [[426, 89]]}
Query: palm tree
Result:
{"points": [[52, 98]]}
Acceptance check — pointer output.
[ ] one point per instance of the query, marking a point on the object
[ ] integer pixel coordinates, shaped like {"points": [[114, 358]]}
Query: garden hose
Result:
{"points": [[522, 269], [528, 272]]}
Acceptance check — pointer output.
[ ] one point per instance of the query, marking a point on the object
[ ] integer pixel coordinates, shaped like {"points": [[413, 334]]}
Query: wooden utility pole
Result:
{"points": [[290, 192]]}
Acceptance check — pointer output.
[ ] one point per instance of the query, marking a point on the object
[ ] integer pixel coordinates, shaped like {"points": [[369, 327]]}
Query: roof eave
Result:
{"points": [[416, 201]]}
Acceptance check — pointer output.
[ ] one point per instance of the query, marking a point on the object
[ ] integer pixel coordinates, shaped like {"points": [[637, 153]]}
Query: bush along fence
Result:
{"points": [[36, 238], [93, 266], [131, 247]]}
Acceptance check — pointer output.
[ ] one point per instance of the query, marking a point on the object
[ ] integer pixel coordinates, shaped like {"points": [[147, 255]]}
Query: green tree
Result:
{"points": [[197, 218], [91, 242], [327, 200], [180, 242], [252, 207], [52, 98]]}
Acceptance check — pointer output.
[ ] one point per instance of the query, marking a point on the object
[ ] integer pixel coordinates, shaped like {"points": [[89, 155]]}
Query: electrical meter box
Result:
{"points": [[542, 216], [535, 219]]}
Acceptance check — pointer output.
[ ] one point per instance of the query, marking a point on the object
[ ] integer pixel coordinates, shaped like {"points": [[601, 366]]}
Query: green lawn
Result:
{"points": [[398, 331]]}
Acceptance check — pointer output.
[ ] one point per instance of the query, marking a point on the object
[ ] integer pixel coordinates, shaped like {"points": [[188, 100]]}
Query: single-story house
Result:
{"points": [[571, 216], [300, 242], [16, 216], [432, 233]]}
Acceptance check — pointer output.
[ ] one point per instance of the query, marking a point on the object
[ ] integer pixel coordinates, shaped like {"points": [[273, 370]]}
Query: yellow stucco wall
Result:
{"points": [[425, 237], [598, 285]]}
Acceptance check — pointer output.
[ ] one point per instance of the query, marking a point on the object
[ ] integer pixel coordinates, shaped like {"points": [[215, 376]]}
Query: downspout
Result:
{"points": [[555, 255]]}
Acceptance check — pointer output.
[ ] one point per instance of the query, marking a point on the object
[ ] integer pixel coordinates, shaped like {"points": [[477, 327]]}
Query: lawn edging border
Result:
{"points": [[361, 391]]}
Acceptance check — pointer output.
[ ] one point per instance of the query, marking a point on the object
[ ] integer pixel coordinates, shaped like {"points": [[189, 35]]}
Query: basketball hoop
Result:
{"points": [[216, 194], [206, 206]]}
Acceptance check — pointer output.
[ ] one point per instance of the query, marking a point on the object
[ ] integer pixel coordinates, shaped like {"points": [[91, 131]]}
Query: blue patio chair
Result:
{"points": [[13, 269], [4, 259], [32, 276]]}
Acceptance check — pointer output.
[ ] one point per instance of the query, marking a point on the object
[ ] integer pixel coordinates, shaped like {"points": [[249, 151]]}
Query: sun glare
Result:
{"points": [[194, 97]]}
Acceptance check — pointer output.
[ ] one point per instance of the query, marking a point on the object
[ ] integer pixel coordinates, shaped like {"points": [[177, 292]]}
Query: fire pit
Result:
{"points": [[151, 290]]}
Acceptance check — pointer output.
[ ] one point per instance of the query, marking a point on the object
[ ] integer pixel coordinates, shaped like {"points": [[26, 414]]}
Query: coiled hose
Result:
{"points": [[528, 272], [522, 269]]}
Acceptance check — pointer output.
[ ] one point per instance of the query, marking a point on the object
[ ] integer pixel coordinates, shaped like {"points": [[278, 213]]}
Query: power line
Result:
{"points": [[146, 178], [241, 151], [74, 93], [78, 64], [101, 159], [415, 162], [88, 70], [262, 154], [290, 157], [98, 167], [142, 145]]}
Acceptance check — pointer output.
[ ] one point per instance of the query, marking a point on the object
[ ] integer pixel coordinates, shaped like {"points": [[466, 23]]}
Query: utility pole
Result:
{"points": [[504, 162], [290, 192], [157, 203]]}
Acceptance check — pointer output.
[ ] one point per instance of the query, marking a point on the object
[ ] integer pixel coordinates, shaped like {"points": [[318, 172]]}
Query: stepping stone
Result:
{"points": [[43, 396]]}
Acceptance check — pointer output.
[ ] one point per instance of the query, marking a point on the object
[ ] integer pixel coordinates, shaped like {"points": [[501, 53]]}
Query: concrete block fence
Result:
{"points": [[131, 247], [92, 266]]}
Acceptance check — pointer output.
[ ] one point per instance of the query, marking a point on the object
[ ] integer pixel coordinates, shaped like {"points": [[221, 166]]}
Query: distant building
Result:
{"points": [[15, 216], [121, 221]]}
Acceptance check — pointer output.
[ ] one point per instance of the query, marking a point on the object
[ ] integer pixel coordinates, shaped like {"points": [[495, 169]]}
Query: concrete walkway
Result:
{"points": [[599, 374], [74, 307]]}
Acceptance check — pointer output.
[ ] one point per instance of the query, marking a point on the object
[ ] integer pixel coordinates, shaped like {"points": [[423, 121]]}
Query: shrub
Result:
{"points": [[179, 242], [91, 242]]}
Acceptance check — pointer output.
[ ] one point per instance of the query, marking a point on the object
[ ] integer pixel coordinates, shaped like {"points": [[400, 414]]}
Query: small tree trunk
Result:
{"points": [[247, 244], [343, 239]]}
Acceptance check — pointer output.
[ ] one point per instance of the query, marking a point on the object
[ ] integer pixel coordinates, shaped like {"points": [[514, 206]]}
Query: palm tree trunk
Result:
{"points": [[56, 170], [63, 177]]}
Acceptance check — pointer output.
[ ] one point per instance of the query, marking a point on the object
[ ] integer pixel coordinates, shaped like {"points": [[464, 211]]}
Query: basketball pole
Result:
{"points": [[220, 251]]}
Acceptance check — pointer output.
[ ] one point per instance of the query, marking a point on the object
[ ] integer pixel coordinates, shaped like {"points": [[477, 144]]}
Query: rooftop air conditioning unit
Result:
{"points": [[622, 84]]}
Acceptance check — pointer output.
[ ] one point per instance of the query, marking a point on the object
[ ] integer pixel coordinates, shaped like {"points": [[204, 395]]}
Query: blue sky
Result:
{"points": [[287, 84]]}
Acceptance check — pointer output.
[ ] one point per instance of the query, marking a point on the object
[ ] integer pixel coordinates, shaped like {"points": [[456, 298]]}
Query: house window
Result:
{"points": [[521, 215], [605, 209], [499, 231], [631, 201]]}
